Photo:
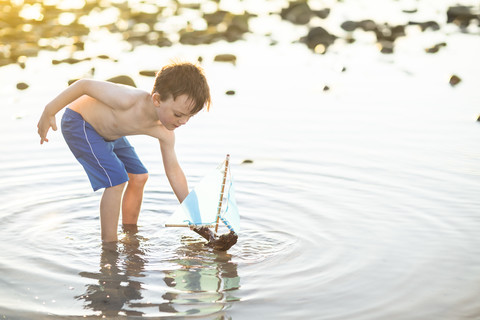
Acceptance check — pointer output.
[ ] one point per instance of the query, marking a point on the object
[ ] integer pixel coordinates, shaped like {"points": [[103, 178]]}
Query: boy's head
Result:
{"points": [[177, 79]]}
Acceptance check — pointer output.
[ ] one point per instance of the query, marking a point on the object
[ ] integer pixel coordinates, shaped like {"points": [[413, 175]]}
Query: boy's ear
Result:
{"points": [[156, 99]]}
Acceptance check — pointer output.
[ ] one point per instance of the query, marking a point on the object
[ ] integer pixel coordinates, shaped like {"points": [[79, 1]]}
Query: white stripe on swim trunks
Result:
{"points": [[86, 138]]}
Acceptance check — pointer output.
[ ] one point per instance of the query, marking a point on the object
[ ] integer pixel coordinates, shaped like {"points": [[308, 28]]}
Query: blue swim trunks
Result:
{"points": [[106, 162]]}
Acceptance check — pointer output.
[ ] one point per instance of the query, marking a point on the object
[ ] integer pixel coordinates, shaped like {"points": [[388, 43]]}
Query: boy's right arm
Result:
{"points": [[47, 120], [109, 93]]}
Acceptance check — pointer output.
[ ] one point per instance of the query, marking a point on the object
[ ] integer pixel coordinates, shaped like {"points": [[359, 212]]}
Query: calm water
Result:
{"points": [[361, 201]]}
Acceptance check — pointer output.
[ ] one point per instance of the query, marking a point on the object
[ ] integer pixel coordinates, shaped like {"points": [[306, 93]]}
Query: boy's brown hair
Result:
{"points": [[180, 78]]}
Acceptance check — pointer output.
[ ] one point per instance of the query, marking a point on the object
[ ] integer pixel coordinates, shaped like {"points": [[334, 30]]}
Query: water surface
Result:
{"points": [[361, 202]]}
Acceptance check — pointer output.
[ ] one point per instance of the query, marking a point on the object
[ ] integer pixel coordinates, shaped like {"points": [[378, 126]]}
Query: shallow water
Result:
{"points": [[361, 201]]}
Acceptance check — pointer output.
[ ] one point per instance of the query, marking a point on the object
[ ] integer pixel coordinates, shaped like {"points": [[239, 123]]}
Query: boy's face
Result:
{"points": [[173, 113]]}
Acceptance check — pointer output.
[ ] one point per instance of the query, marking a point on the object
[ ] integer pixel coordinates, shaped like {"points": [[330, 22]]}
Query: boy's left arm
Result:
{"points": [[174, 172]]}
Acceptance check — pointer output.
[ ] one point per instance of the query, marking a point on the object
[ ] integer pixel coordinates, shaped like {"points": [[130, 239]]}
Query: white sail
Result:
{"points": [[200, 207]]}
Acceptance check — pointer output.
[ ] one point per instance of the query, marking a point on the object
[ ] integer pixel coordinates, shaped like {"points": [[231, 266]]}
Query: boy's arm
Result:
{"points": [[111, 94], [174, 172]]}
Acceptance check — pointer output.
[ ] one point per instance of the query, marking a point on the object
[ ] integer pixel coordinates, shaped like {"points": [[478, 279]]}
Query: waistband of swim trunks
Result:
{"points": [[73, 113]]}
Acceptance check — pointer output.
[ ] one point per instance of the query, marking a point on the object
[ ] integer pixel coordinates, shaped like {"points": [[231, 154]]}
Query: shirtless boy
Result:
{"points": [[100, 115]]}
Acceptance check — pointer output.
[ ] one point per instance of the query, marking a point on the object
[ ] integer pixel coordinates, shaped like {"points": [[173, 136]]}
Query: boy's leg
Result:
{"points": [[109, 212], [132, 198]]}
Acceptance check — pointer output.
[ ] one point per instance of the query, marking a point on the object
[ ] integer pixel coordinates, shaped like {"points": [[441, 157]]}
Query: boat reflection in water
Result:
{"points": [[204, 282]]}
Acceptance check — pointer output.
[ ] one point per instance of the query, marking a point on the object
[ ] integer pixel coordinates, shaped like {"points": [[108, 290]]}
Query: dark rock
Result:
{"points": [[230, 92], [454, 80], [247, 161], [318, 36], [126, 80], [433, 25], [386, 46], [410, 10], [298, 12], [197, 37], [349, 26], [326, 88], [214, 19], [22, 86], [436, 47], [461, 15], [389, 33], [5, 61], [148, 73], [72, 81], [234, 33], [323, 14], [225, 58], [68, 60], [367, 25]]}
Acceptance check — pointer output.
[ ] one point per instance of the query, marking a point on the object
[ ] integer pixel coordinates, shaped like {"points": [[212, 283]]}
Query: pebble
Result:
{"points": [[318, 36], [22, 86], [148, 73], [225, 58], [435, 48], [454, 80], [122, 79]]}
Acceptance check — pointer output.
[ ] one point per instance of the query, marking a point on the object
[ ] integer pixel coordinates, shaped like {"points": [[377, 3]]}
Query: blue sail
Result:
{"points": [[231, 216], [200, 207]]}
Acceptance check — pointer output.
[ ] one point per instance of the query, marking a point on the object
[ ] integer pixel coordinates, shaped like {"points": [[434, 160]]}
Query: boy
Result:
{"points": [[100, 115]]}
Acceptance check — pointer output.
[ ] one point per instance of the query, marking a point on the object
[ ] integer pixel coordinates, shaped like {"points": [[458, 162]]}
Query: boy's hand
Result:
{"points": [[44, 124]]}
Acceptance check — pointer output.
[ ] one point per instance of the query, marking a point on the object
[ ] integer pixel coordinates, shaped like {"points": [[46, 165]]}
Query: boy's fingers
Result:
{"points": [[54, 126]]}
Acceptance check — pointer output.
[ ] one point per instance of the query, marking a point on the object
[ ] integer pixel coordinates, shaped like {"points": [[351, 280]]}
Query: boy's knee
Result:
{"points": [[118, 187], [138, 179]]}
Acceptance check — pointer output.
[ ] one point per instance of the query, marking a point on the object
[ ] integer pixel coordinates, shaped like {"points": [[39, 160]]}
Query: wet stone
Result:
{"points": [[454, 80], [349, 26], [68, 60], [435, 48], [462, 15], [322, 14], [432, 25], [386, 47], [226, 57], [298, 12], [148, 73], [318, 36], [367, 25], [122, 79], [22, 86], [214, 19]]}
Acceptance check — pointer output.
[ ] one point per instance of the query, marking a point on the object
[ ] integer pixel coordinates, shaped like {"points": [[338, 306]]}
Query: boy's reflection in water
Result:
{"points": [[203, 283], [121, 264]]}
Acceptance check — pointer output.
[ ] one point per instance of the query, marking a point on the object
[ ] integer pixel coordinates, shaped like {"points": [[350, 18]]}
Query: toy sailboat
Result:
{"points": [[211, 201]]}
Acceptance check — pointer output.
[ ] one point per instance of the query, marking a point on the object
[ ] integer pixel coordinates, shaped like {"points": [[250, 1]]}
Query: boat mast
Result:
{"points": [[221, 192]]}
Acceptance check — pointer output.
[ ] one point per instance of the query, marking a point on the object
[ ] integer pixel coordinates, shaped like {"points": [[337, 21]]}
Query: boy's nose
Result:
{"points": [[184, 120]]}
